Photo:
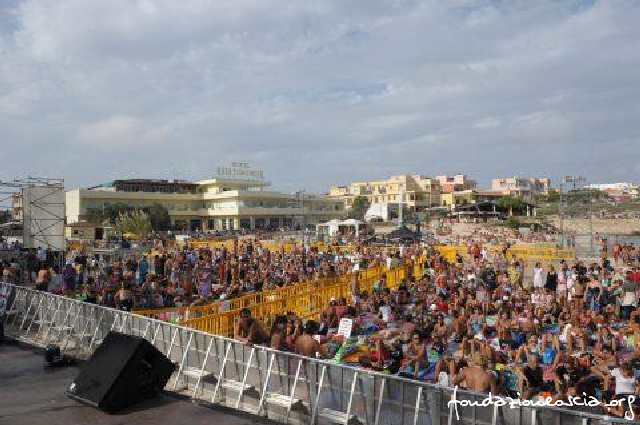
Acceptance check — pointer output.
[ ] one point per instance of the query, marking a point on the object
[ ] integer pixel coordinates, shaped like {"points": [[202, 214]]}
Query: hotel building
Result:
{"points": [[237, 199]]}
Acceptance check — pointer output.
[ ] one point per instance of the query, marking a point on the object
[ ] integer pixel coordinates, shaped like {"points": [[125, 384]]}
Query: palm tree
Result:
{"points": [[510, 203]]}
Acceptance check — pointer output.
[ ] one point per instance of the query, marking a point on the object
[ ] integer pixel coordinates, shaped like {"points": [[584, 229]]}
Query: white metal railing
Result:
{"points": [[281, 386]]}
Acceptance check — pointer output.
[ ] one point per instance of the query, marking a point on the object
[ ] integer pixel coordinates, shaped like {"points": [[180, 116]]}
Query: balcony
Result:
{"points": [[270, 211]]}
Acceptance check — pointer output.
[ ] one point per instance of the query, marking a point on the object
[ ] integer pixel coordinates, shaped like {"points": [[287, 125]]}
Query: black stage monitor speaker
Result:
{"points": [[123, 370]]}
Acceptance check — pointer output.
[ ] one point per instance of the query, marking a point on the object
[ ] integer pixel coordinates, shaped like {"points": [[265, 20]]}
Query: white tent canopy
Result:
{"points": [[381, 211], [335, 227]]}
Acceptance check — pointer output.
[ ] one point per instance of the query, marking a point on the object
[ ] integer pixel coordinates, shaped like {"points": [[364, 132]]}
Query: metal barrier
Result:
{"points": [[281, 386]]}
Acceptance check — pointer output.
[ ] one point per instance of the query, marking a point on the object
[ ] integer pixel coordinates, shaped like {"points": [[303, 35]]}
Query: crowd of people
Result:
{"points": [[467, 232], [184, 277], [485, 322]]}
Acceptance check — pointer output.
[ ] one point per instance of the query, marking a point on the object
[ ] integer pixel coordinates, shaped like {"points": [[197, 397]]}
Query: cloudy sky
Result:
{"points": [[319, 92]]}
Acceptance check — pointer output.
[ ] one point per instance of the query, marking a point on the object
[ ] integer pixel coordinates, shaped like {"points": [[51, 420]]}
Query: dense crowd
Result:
{"points": [[495, 235], [485, 322], [184, 277]]}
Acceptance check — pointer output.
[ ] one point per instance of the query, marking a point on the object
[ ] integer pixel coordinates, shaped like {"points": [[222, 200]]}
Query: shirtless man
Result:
{"points": [[43, 277], [578, 295], [248, 330], [416, 354], [459, 324], [476, 377], [440, 330], [305, 344]]}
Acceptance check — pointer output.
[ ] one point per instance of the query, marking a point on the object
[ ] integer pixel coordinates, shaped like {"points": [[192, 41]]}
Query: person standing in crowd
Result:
{"points": [[43, 278], [538, 277], [9, 272], [143, 270], [629, 296], [68, 278], [124, 298], [551, 283]]}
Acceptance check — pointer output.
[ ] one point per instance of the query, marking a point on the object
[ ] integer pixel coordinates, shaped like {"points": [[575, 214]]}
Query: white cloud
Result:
{"points": [[361, 89], [489, 122], [115, 131]]}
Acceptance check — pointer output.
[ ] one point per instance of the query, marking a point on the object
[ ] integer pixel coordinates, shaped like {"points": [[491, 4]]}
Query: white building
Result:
{"points": [[524, 187], [222, 203], [622, 187], [619, 191]]}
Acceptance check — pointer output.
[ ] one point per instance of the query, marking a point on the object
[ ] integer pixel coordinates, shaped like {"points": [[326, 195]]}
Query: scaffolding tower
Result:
{"points": [[42, 215]]}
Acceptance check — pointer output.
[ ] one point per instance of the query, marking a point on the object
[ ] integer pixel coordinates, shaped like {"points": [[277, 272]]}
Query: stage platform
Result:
{"points": [[34, 395]]}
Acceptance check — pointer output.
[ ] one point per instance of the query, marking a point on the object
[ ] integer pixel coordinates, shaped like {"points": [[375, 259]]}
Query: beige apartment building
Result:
{"points": [[414, 191], [457, 183]]}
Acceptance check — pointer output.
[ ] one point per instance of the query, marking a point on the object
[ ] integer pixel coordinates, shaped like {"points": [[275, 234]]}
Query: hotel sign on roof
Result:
{"points": [[241, 170]]}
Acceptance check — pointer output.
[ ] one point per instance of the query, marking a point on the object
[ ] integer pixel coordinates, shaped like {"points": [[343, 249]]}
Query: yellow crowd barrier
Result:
{"points": [[200, 244], [521, 252], [307, 304], [306, 300]]}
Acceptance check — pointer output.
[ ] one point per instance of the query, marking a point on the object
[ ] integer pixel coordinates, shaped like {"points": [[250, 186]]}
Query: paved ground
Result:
{"points": [[31, 394]]}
